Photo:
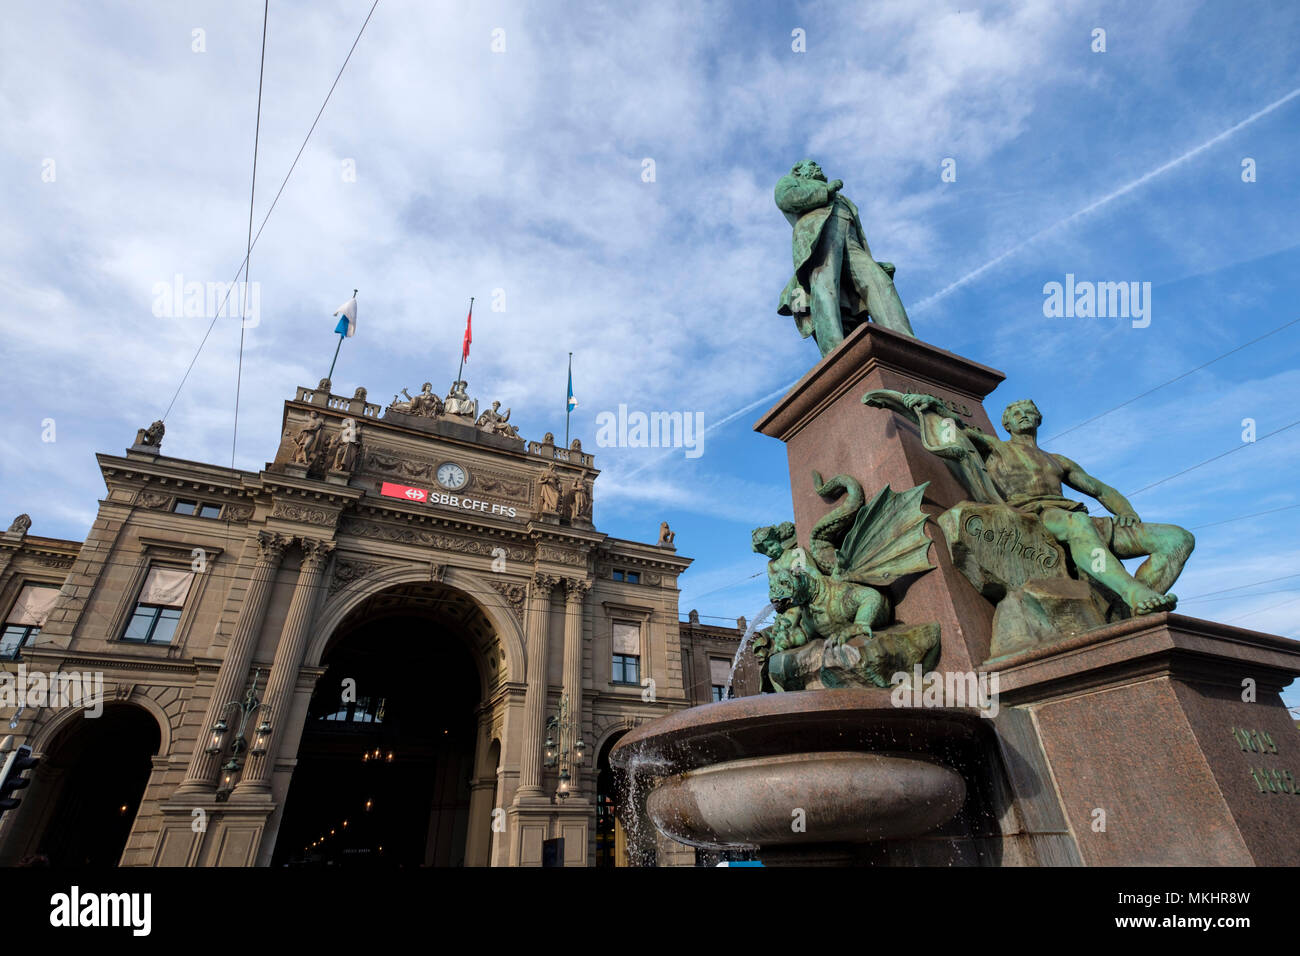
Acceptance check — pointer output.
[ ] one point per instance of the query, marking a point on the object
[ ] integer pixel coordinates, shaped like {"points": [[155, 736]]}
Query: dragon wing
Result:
{"points": [[886, 541]]}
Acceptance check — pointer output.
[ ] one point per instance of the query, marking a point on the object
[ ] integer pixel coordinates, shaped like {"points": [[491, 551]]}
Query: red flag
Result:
{"points": [[469, 337]]}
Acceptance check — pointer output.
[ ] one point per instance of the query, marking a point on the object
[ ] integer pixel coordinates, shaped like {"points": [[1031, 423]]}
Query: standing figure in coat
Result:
{"points": [[837, 284]]}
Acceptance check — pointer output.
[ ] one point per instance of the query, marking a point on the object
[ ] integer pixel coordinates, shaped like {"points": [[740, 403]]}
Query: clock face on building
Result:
{"points": [[452, 476]]}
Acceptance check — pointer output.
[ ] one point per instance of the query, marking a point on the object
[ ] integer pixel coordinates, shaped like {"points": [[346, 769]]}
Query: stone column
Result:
{"points": [[575, 593], [539, 614], [288, 661], [201, 776]]}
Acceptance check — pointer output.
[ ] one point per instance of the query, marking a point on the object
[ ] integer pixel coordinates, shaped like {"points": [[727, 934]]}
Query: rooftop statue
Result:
{"points": [[497, 424], [458, 401], [424, 405], [153, 435], [837, 284], [1017, 476]]}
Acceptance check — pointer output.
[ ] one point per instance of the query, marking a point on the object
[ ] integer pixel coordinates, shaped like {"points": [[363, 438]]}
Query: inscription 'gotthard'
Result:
{"points": [[1007, 541]]}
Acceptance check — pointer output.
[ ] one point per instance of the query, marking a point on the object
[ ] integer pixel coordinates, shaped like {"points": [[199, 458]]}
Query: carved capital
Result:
{"points": [[544, 584], [576, 589], [315, 552], [270, 546]]}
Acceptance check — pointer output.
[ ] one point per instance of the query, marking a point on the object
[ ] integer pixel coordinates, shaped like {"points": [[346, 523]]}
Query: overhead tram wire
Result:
{"points": [[248, 253], [271, 209], [1171, 381]]}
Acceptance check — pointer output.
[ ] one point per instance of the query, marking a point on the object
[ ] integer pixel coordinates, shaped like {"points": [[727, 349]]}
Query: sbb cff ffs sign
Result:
{"points": [[407, 493]]}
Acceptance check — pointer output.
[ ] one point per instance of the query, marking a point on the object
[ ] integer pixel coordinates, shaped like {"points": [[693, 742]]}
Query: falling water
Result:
{"points": [[744, 642]]}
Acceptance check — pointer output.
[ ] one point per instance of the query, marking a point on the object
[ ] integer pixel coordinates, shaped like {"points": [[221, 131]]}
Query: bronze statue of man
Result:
{"points": [[1029, 480], [837, 284]]}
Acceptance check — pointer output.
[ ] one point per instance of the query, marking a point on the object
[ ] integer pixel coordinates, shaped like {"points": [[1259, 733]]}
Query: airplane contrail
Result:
{"points": [[1001, 257], [1097, 204]]}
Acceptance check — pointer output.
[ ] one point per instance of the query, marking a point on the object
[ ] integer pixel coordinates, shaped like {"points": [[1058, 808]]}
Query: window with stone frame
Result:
{"points": [[719, 674], [26, 618], [158, 608], [627, 653]]}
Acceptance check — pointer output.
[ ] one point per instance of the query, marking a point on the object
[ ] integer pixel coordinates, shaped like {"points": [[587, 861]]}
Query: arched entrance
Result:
{"points": [[85, 794], [386, 760], [611, 792]]}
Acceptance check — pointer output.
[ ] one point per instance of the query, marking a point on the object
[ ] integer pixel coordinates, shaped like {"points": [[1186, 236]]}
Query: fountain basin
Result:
{"points": [[797, 799], [733, 773]]}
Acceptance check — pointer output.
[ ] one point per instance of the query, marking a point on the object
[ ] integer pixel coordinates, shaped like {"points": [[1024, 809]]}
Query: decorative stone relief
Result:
{"points": [[293, 512], [432, 539], [347, 570], [514, 594]]}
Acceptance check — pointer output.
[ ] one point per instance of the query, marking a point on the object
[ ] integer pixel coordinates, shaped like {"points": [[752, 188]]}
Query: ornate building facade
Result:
{"points": [[403, 642]]}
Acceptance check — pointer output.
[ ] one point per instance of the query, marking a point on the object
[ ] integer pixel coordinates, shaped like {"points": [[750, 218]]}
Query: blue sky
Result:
{"points": [[522, 171]]}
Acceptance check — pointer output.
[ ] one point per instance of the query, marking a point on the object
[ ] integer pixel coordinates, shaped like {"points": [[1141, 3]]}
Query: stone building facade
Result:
{"points": [[383, 648]]}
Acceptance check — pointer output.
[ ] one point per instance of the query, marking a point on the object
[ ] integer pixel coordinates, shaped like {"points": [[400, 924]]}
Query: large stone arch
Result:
{"points": [[509, 630], [62, 720]]}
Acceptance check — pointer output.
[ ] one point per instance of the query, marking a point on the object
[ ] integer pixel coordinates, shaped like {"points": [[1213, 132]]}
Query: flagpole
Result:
{"points": [[330, 377], [568, 406], [342, 335], [462, 347]]}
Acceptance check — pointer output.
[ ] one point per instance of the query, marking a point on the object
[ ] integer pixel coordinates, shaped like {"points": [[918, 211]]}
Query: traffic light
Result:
{"points": [[11, 777]]}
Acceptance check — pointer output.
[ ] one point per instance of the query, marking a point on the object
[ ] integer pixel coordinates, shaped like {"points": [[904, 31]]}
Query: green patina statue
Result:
{"points": [[832, 591], [1018, 475], [837, 284]]}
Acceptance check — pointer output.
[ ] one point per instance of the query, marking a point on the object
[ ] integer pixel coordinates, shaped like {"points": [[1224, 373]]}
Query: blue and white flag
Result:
{"points": [[348, 323], [572, 402]]}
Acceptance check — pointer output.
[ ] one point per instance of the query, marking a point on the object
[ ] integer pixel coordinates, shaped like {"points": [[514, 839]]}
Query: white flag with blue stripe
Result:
{"points": [[348, 323]]}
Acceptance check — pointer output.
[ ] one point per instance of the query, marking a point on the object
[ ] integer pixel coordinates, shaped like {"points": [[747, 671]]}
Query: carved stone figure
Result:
{"points": [[458, 401], [581, 499], [666, 535], [832, 592], [424, 405], [21, 524], [549, 491], [308, 440], [153, 435], [497, 424], [693, 617], [1020, 476], [575, 445], [837, 284], [345, 447]]}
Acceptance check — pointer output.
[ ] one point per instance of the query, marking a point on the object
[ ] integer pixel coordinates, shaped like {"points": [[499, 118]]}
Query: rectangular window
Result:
{"points": [[158, 609], [618, 575], [719, 674], [627, 669], [196, 508], [27, 617], [627, 652], [634, 577]]}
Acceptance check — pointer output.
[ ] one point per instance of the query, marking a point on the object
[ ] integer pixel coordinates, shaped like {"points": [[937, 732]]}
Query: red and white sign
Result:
{"points": [[390, 490]]}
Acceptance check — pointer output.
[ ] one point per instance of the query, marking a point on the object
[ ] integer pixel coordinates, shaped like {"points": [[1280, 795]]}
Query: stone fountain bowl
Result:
{"points": [[809, 768]]}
